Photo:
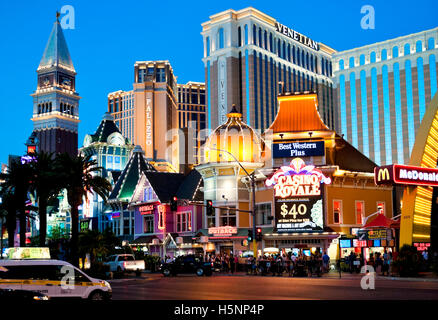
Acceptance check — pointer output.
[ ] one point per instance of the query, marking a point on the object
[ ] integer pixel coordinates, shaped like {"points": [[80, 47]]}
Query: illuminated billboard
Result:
{"points": [[298, 197], [405, 175]]}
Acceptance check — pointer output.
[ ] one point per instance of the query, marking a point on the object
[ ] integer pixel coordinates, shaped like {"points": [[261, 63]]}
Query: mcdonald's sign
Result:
{"points": [[383, 175], [405, 175]]}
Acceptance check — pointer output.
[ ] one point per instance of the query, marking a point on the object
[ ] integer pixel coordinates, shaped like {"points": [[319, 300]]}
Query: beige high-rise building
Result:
{"points": [[148, 113]]}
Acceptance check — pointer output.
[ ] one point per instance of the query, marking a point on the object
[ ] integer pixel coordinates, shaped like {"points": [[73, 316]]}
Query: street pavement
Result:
{"points": [[240, 286]]}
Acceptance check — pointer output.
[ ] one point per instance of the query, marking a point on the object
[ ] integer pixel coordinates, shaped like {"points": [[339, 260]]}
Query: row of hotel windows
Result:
{"points": [[192, 97], [292, 54], [384, 54], [398, 90], [185, 117], [151, 74], [124, 104], [293, 81], [184, 107], [64, 108], [126, 126]]}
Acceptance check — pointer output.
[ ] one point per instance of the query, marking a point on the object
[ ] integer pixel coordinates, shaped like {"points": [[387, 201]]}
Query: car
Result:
{"points": [[124, 262], [53, 278], [12, 294], [187, 264]]}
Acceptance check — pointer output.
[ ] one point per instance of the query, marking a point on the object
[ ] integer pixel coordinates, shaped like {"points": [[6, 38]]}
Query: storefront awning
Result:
{"points": [[382, 222]]}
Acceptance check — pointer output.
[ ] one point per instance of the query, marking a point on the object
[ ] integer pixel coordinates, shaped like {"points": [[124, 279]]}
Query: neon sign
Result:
{"points": [[297, 180], [298, 197], [146, 209]]}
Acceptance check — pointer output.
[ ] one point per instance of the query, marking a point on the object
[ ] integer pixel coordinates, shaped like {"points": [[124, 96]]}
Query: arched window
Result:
{"points": [[284, 50], [316, 64], [330, 69], [362, 59], [298, 57], [246, 34], [293, 55], [72, 111], [279, 48], [384, 55], [351, 62], [221, 38], [39, 109], [266, 40], [270, 43], [288, 52], [254, 35], [239, 36], [302, 58], [407, 49], [207, 46], [311, 63], [50, 107], [395, 52], [419, 46], [307, 61], [430, 44], [372, 57], [260, 38], [341, 64]]}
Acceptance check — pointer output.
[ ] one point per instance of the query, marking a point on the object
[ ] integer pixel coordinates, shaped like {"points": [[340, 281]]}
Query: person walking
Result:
{"points": [[325, 262], [232, 264]]}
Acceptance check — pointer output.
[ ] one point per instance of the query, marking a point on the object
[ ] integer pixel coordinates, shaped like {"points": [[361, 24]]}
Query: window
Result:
{"points": [[160, 75], [182, 221], [407, 49], [211, 220], [360, 211], [430, 44], [263, 211], [419, 46], [227, 217], [337, 211], [362, 59], [395, 52], [384, 55], [372, 57], [239, 37], [381, 207], [148, 224], [207, 46]]}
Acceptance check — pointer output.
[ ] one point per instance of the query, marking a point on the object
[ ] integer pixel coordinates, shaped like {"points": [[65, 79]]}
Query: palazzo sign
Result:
{"points": [[298, 149], [298, 197], [405, 175], [146, 209], [296, 36], [149, 128]]}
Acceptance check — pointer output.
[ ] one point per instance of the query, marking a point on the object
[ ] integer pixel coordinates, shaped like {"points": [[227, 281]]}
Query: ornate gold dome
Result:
{"points": [[237, 138]]}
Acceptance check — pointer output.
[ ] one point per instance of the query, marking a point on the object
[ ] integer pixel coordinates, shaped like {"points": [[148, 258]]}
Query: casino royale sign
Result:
{"points": [[296, 36], [405, 175], [298, 197], [298, 149]]}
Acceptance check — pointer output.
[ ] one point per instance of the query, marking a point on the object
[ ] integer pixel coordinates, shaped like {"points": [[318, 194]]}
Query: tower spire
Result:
{"points": [[56, 53]]}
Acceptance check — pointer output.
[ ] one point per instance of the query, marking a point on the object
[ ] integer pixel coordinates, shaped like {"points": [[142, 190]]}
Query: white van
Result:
{"points": [[54, 278]]}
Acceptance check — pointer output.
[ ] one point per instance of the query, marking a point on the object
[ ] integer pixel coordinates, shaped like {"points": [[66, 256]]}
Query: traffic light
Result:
{"points": [[258, 235], [210, 209], [249, 235], [174, 203]]}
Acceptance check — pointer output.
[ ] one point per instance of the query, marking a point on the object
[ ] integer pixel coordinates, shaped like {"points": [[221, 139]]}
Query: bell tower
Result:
{"points": [[55, 101]]}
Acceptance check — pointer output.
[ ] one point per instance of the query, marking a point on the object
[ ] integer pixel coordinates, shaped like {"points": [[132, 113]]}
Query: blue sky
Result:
{"points": [[109, 36]]}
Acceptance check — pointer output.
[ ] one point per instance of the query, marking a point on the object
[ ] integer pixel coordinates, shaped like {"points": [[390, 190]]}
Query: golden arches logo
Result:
{"points": [[383, 174]]}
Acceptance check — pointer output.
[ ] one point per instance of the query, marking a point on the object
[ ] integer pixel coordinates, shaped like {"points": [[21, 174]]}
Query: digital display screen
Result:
{"points": [[307, 253], [345, 243]]}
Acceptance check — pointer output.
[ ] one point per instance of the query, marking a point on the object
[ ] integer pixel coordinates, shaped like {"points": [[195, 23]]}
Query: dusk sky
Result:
{"points": [[109, 36]]}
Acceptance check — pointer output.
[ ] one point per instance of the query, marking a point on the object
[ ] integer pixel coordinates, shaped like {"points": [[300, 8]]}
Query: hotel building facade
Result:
{"points": [[383, 90], [248, 53]]}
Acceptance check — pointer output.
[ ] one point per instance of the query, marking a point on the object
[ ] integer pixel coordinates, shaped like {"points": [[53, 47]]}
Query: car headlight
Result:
{"points": [[41, 298]]}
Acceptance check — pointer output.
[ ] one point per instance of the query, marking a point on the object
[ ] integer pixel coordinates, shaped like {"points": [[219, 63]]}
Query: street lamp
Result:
{"points": [[252, 178]]}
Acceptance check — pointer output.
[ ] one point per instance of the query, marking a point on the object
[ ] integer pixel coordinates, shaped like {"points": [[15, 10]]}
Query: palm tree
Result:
{"points": [[46, 184], [17, 183], [8, 206], [79, 177]]}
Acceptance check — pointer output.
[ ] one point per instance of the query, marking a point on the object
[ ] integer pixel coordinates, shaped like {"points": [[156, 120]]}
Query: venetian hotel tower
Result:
{"points": [[55, 101]]}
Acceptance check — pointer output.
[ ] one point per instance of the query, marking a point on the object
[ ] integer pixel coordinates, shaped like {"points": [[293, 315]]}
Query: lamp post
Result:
{"points": [[252, 178]]}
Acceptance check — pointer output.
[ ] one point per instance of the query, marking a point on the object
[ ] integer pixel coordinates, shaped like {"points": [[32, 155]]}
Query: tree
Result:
{"points": [[79, 176], [10, 213], [46, 184], [17, 183]]}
